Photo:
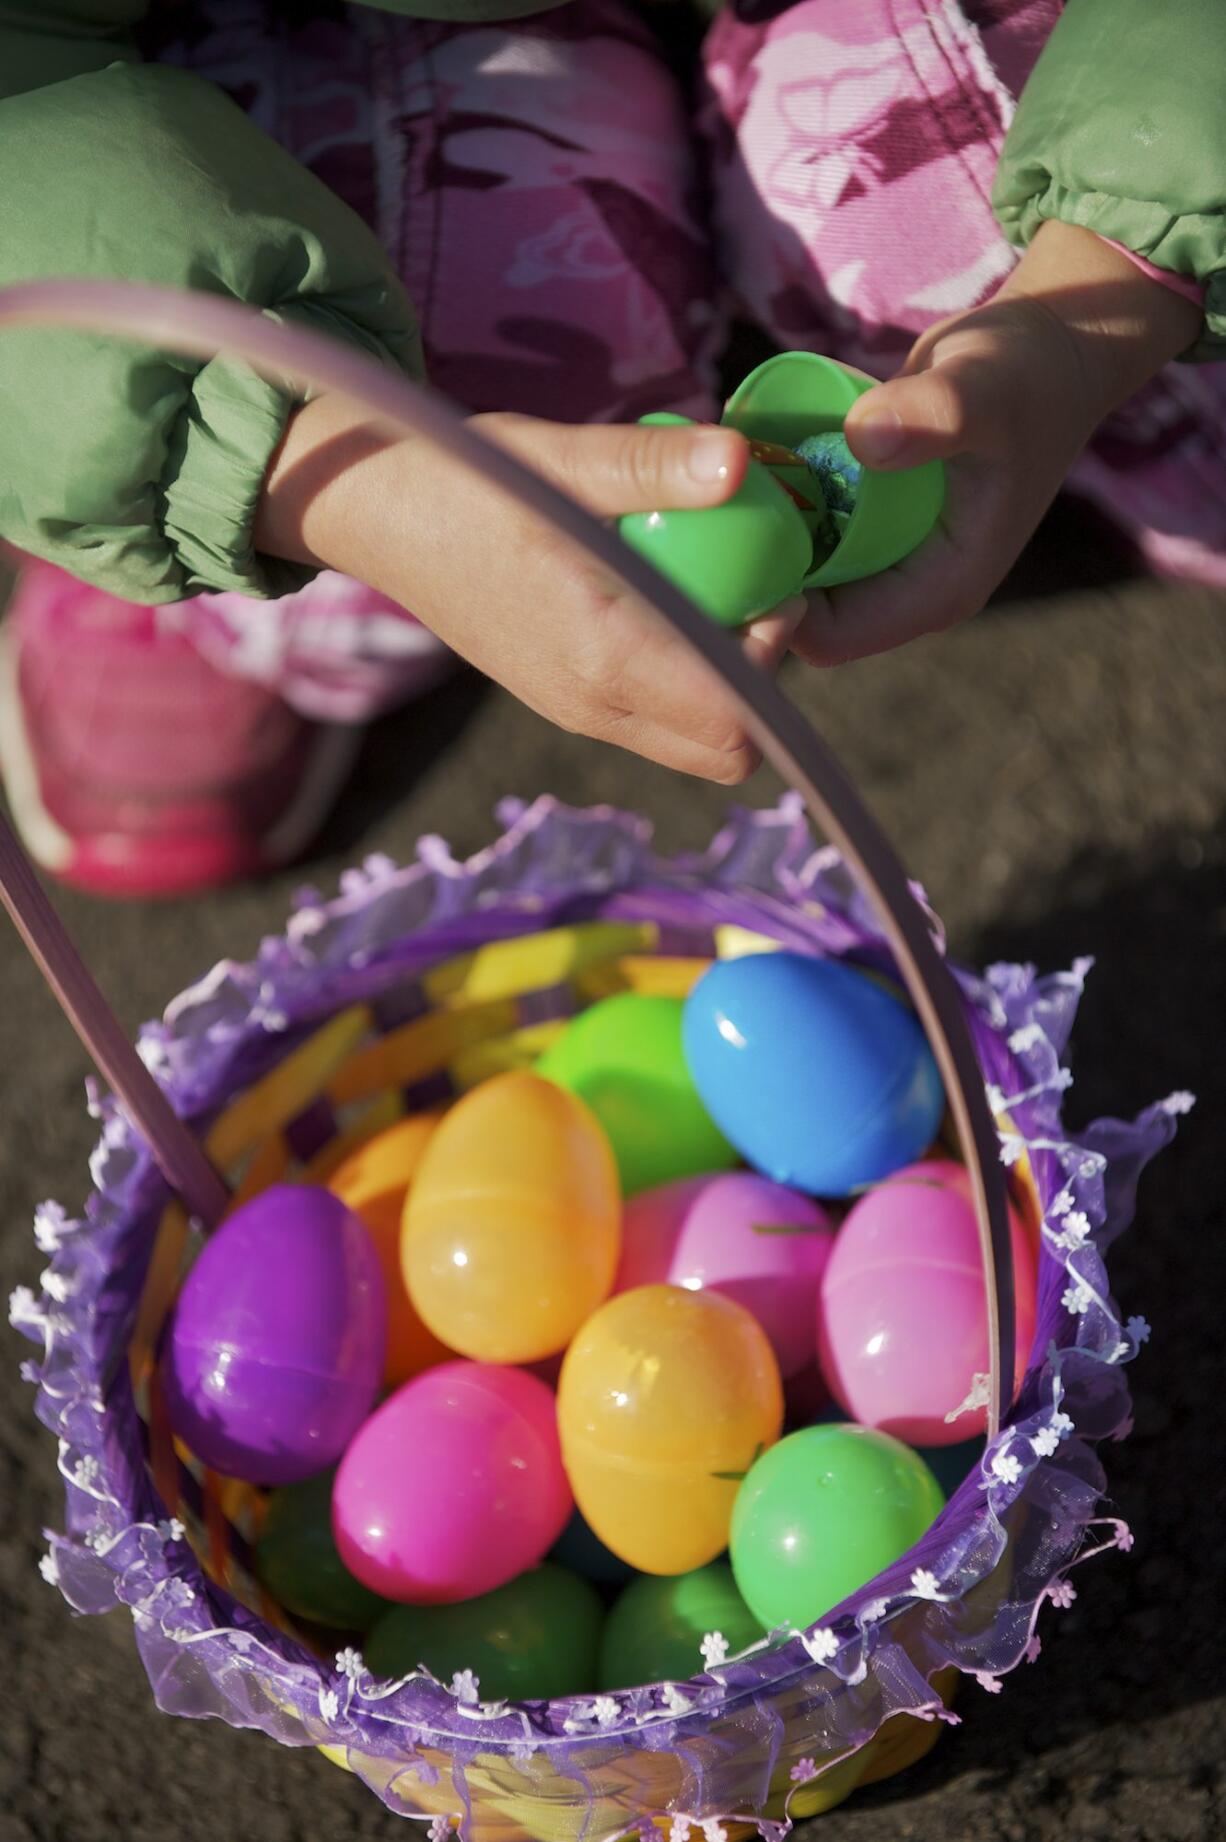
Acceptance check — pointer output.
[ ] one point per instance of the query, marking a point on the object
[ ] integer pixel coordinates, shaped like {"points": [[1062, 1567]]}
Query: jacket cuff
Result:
{"points": [[217, 460], [1176, 244]]}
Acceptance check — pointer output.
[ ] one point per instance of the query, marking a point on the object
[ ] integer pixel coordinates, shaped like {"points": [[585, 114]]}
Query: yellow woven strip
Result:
{"points": [[286, 1090], [503, 1054], [419, 1048], [736, 942], [658, 977], [161, 1284], [382, 1112], [268, 1166], [505, 968]]}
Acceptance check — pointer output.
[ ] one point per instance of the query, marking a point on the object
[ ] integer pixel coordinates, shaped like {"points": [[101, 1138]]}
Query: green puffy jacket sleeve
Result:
{"points": [[137, 469], [1122, 129]]}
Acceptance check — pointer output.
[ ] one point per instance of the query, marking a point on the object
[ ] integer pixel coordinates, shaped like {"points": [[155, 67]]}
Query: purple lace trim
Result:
{"points": [[968, 1596]]}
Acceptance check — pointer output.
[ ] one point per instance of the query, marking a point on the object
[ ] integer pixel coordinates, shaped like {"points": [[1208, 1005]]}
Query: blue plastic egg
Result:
{"points": [[820, 1077]]}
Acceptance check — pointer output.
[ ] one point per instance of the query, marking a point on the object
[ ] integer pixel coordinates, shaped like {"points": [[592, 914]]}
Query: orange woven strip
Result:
{"points": [[163, 1461], [217, 1529]]}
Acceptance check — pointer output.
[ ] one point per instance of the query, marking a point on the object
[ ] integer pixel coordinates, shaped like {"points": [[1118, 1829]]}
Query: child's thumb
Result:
{"points": [[929, 415]]}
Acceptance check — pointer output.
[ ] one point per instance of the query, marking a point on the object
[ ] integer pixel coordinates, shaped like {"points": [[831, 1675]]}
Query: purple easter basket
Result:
{"points": [[413, 984]]}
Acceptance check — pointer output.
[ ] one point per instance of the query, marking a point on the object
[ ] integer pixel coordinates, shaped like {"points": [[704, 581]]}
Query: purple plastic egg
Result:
{"points": [[740, 1234], [275, 1349]]}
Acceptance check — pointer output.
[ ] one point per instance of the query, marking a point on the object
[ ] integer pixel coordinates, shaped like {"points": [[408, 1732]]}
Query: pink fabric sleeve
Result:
{"points": [[1186, 285]]}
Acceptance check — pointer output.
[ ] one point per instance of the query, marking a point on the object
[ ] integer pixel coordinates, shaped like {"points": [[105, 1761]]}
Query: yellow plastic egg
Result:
{"points": [[512, 1229], [666, 1398], [374, 1181]]}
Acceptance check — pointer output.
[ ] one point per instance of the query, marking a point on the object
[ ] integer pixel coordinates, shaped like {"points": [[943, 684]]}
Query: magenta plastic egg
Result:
{"points": [[740, 1234], [453, 1486], [902, 1319], [275, 1349]]}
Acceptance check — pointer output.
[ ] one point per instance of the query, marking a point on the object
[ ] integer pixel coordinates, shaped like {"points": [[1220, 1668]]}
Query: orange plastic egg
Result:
{"points": [[666, 1398], [374, 1181], [512, 1229]]}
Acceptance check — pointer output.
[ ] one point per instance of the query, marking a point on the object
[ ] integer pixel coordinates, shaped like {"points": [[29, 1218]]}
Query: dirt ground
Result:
{"points": [[1056, 775]]}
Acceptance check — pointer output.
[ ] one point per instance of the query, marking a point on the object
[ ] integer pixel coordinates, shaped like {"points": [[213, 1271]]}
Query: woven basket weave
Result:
{"points": [[411, 986]]}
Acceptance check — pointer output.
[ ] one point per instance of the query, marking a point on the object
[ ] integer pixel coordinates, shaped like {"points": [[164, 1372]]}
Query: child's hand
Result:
{"points": [[1007, 395], [509, 593]]}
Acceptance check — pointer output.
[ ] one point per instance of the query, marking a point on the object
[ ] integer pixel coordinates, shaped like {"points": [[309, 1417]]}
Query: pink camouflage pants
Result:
{"points": [[574, 233]]}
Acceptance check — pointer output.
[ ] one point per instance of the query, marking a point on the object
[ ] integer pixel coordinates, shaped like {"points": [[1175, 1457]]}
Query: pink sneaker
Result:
{"points": [[132, 765]]}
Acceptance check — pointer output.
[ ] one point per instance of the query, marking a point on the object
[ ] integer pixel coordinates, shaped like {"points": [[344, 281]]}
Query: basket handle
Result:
{"points": [[203, 325]]}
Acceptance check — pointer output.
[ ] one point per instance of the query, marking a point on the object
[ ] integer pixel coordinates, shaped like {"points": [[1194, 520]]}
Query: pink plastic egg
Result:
{"points": [[453, 1486], [740, 1234], [902, 1320]]}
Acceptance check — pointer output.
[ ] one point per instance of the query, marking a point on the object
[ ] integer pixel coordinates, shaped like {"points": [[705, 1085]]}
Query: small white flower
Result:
{"points": [[1139, 1330], [714, 1831], [1077, 1298], [466, 1688], [171, 1530], [440, 1828], [1034, 1648], [329, 1704], [875, 1609], [1026, 1038], [925, 1584], [995, 1098], [23, 1306], [1006, 1467], [1011, 1149], [1179, 1102], [1061, 1204], [821, 1644], [97, 1540], [1125, 1540], [86, 1471], [349, 1663], [992, 1685], [1062, 1594], [803, 1771], [1076, 1230], [1062, 1425], [605, 1710], [1045, 1442], [714, 1649], [679, 1829], [56, 1286], [49, 1223], [49, 1567], [674, 1701]]}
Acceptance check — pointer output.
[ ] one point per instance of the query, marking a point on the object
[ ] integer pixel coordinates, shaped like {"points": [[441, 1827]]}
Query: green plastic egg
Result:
{"points": [[534, 1638], [654, 1632], [823, 1512], [297, 1561], [736, 560], [624, 1057]]}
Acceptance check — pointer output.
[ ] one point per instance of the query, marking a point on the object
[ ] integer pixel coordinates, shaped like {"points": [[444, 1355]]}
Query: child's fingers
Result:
{"points": [[628, 467], [658, 697], [949, 409], [768, 640], [925, 594]]}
